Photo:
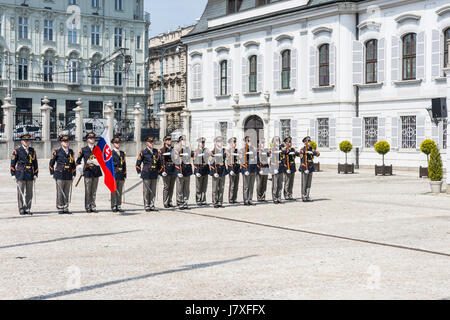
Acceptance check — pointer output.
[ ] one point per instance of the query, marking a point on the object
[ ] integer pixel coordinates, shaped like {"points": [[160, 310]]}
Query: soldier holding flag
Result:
{"points": [[24, 170]]}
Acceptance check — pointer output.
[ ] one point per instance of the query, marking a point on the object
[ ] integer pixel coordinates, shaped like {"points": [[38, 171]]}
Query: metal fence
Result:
{"points": [[62, 124], [125, 129], [150, 128], [27, 123]]}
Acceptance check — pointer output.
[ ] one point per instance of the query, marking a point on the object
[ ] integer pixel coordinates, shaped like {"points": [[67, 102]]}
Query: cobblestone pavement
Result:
{"points": [[357, 240]]}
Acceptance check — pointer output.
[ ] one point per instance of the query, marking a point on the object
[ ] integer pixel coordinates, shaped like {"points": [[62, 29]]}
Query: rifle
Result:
{"points": [[84, 169]]}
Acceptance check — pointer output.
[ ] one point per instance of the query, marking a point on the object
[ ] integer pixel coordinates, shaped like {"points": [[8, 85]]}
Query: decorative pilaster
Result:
{"points": [[137, 126], [108, 113], [79, 111], [45, 112], [162, 122], [8, 111], [186, 117]]}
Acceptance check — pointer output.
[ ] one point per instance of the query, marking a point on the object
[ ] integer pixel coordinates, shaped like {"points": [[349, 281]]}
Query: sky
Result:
{"points": [[167, 15]]}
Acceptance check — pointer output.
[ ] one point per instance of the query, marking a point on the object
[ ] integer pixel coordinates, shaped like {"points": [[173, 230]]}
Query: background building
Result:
{"points": [[362, 71], [168, 48], [73, 49]]}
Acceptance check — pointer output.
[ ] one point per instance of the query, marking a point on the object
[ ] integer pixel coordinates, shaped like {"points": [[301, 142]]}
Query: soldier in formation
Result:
{"points": [[120, 171], [218, 171], [148, 168], [167, 170], [234, 168], [183, 169], [201, 171], [307, 154], [249, 168]]}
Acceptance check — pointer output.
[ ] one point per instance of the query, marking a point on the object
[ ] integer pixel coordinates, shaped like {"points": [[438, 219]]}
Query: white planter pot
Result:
{"points": [[436, 186]]}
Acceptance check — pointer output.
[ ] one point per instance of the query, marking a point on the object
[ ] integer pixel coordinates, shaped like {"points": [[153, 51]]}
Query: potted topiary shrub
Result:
{"points": [[383, 147], [435, 170], [426, 147], [313, 145], [346, 147]]}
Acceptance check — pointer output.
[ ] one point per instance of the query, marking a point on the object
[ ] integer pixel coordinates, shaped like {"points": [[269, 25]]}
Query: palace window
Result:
{"points": [[252, 78], [324, 65], [262, 2], [370, 131], [119, 5], [118, 74], [48, 71], [117, 37], [73, 71], [409, 56], [95, 35], [48, 30], [323, 133], [285, 128], [371, 61], [1, 67], [234, 6], [72, 33], [446, 39], [95, 3], [286, 69], [23, 69], [23, 28], [196, 81], [223, 78], [223, 130], [409, 132]]}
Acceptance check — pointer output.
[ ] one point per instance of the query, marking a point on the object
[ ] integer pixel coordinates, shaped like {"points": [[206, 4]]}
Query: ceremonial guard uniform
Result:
{"points": [[234, 168], [91, 172], [24, 170], [289, 175], [167, 170], [183, 168], [201, 171], [218, 171], [63, 169], [120, 171], [147, 166], [277, 168], [249, 168], [263, 172], [307, 154]]}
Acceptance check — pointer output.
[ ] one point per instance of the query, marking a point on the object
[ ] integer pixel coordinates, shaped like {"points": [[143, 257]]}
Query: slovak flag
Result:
{"points": [[103, 152]]}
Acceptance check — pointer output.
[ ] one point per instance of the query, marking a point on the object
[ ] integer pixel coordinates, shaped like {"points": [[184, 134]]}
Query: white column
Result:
{"points": [[108, 113], [45, 112], [162, 122], [137, 126], [8, 111], [447, 158], [79, 126]]}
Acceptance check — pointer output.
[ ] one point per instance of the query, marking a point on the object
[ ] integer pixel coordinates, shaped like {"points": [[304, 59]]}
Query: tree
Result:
{"points": [[313, 145], [435, 165], [382, 147], [345, 147], [427, 146]]}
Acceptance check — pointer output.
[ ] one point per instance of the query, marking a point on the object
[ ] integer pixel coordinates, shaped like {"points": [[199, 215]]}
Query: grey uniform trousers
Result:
{"points": [[288, 184], [90, 192], [169, 186], [218, 185], [201, 184], [277, 186], [24, 194], [233, 187], [149, 192], [116, 197], [306, 184], [63, 189], [249, 183], [183, 190], [261, 186]]}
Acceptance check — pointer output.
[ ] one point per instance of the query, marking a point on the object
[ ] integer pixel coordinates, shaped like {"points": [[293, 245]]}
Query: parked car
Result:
{"points": [[34, 131], [89, 125]]}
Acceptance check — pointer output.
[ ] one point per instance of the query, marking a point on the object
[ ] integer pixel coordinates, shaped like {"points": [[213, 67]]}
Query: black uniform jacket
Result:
{"points": [[120, 164], [24, 165], [182, 159], [217, 162], [201, 160], [263, 161], [166, 162], [62, 165], [89, 170], [233, 163], [249, 159], [147, 164], [290, 159], [307, 160], [277, 160]]}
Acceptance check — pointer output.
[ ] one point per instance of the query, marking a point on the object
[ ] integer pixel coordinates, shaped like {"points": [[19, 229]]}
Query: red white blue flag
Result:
{"points": [[103, 153]]}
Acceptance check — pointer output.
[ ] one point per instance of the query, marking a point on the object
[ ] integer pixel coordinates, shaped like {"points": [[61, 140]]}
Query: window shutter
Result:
{"points": [[260, 73], [276, 71], [199, 81], [381, 129], [357, 132], [332, 132], [381, 59], [216, 129], [230, 76], [395, 59], [436, 54], [332, 64], [420, 67], [313, 129], [191, 89], [216, 79], [244, 75], [435, 133], [294, 132], [294, 69], [394, 132], [313, 66], [229, 130], [358, 61], [420, 131], [276, 128]]}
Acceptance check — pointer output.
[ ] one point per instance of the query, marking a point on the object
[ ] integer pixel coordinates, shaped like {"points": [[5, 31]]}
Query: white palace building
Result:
{"points": [[362, 71]]}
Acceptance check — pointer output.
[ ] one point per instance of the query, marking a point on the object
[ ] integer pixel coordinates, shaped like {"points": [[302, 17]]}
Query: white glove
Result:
{"points": [[261, 172], [251, 152], [310, 152], [292, 153], [232, 173], [164, 174], [14, 179], [275, 171], [216, 175], [167, 154], [180, 175], [198, 175], [288, 171], [306, 171], [247, 173], [80, 168], [34, 178], [95, 162]]}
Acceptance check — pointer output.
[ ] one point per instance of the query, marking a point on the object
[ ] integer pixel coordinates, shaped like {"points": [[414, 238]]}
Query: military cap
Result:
{"points": [[64, 137], [232, 140], [149, 139], [116, 140], [201, 140], [168, 137], [247, 139], [181, 138], [218, 139], [25, 137], [90, 135], [306, 138], [287, 140]]}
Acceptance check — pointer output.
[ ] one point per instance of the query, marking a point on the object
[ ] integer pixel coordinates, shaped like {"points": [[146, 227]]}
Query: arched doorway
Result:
{"points": [[254, 128]]}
